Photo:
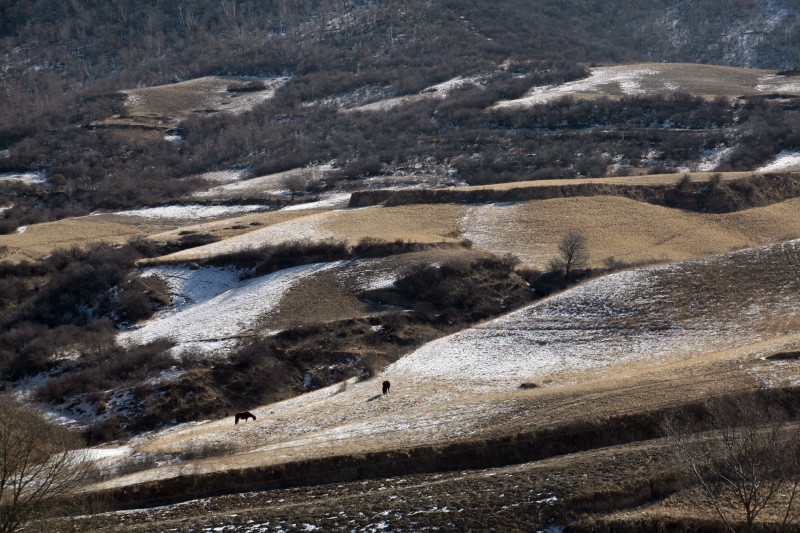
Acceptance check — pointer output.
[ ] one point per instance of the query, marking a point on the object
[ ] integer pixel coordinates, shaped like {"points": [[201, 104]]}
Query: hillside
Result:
{"points": [[551, 225], [627, 343]]}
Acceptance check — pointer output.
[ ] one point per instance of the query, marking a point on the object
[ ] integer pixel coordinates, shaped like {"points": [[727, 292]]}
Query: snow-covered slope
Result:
{"points": [[662, 78], [665, 319], [213, 308]]}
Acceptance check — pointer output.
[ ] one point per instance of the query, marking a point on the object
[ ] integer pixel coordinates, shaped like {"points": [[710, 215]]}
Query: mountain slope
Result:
{"points": [[628, 342]]}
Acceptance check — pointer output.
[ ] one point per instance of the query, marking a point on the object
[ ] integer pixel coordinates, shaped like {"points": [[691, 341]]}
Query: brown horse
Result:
{"points": [[244, 415]]}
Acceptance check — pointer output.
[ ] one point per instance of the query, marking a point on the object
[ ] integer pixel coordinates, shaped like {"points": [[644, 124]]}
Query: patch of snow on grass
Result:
{"points": [[193, 286], [712, 159], [783, 161], [101, 454], [626, 79], [191, 211], [334, 200], [495, 227], [307, 227], [224, 176], [772, 83], [22, 229], [439, 90], [446, 87], [236, 103], [218, 321], [30, 178], [272, 183], [626, 316]]}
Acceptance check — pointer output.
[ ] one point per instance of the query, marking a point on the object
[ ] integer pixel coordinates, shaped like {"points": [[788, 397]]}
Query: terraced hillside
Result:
{"points": [[620, 346], [212, 207]]}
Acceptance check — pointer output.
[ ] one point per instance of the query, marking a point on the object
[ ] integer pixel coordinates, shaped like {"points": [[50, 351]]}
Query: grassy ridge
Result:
{"points": [[560, 439], [715, 196]]}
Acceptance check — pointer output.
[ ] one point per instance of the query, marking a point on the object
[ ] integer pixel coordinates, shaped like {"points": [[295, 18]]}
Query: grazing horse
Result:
{"points": [[386, 386], [244, 416]]}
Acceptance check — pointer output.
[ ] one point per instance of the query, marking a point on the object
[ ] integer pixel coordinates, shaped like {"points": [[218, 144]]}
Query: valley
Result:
{"points": [[567, 233]]}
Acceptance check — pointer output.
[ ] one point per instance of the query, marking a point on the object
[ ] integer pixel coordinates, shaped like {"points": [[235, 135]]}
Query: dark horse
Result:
{"points": [[244, 416], [386, 386]]}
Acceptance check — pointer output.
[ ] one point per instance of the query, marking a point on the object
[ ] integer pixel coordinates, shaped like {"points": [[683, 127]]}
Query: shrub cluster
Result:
{"points": [[69, 301]]}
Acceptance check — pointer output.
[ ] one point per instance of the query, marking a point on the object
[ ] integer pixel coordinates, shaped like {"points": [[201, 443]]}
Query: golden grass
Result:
{"points": [[707, 81], [415, 223], [39, 240], [238, 225], [628, 230], [152, 110], [649, 179], [175, 100]]}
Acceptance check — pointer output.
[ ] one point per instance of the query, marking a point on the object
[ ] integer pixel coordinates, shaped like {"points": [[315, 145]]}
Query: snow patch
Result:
{"points": [[29, 178], [224, 176], [194, 286], [191, 211], [217, 322], [440, 90], [333, 200], [783, 161], [712, 159], [628, 81], [272, 183], [619, 318]]}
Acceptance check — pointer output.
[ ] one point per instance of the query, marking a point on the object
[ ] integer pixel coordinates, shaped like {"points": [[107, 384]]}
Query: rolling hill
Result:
{"points": [[626, 344], [216, 207]]}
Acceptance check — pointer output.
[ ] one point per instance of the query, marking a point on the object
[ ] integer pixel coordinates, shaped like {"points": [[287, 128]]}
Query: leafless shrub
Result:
{"points": [[744, 455], [38, 464], [297, 183], [246, 87], [204, 450], [573, 254], [134, 463], [372, 365]]}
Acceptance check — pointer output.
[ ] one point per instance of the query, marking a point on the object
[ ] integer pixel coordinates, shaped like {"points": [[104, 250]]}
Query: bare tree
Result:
{"points": [[573, 253], [38, 464], [744, 456], [297, 182]]}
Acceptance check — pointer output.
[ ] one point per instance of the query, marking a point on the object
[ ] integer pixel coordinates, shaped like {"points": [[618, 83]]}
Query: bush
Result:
{"points": [[246, 87]]}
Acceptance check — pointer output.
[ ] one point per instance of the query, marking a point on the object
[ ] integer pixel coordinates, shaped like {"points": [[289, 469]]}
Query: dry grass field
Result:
{"points": [[39, 240], [153, 110], [616, 226], [748, 297], [621, 228], [627, 230], [649, 179], [627, 343], [707, 81]]}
